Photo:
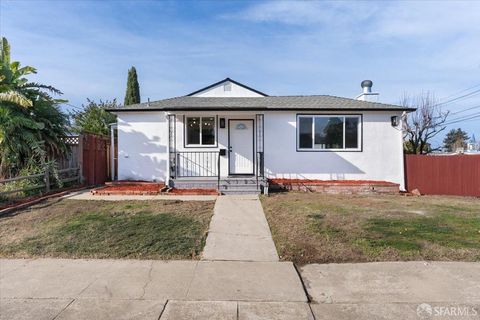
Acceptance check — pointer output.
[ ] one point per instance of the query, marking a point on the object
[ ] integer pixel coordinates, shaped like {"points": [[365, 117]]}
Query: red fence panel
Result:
{"points": [[95, 159], [443, 175]]}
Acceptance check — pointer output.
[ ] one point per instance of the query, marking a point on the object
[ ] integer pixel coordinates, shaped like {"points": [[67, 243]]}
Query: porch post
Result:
{"points": [[172, 157], [259, 155]]}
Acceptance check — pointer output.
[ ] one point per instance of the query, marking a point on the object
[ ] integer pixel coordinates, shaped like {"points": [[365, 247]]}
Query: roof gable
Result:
{"points": [[227, 88]]}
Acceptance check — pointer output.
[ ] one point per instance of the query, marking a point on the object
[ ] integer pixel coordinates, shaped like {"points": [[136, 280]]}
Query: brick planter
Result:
{"points": [[334, 186], [129, 188]]}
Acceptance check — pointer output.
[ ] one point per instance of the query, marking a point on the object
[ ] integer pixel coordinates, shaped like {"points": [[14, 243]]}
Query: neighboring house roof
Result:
{"points": [[227, 80], [273, 103]]}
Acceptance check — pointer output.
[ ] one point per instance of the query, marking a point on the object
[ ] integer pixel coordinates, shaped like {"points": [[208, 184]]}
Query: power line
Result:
{"points": [[465, 116], [471, 108], [458, 92], [471, 117], [468, 95]]}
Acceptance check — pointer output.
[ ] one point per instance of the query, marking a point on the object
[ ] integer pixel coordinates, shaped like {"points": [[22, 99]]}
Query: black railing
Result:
{"points": [[197, 164]]}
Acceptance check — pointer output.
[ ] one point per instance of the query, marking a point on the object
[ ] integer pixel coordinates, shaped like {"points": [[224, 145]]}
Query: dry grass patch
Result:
{"points": [[313, 227], [107, 229]]}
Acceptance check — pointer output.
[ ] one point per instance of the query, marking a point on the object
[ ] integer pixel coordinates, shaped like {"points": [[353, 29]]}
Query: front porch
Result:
{"points": [[228, 154]]}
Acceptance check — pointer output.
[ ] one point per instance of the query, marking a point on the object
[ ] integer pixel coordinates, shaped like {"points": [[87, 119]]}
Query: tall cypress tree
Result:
{"points": [[132, 95]]}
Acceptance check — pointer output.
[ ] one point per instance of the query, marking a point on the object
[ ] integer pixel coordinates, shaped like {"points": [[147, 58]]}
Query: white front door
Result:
{"points": [[241, 157]]}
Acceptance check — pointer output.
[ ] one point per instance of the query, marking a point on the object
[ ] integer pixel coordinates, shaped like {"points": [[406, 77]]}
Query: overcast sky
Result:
{"points": [[85, 48]]}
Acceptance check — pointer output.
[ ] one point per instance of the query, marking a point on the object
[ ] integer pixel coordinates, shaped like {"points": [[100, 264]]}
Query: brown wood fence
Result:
{"points": [[443, 174], [94, 158]]}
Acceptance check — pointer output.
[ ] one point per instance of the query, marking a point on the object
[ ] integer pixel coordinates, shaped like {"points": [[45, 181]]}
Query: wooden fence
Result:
{"points": [[443, 174], [41, 182], [87, 163], [94, 158]]}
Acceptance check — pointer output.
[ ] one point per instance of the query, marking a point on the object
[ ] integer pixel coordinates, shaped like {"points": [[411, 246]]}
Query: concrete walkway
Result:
{"points": [[87, 195], [239, 231]]}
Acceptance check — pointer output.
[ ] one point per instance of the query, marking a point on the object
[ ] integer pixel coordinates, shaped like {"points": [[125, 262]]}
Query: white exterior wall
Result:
{"points": [[222, 134], [381, 157], [219, 91], [142, 146]]}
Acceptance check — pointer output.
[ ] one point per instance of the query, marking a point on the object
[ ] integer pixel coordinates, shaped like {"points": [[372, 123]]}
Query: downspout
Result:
{"points": [[402, 165], [112, 126]]}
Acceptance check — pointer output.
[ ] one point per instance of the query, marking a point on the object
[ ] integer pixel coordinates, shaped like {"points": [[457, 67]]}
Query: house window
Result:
{"points": [[200, 131], [328, 132]]}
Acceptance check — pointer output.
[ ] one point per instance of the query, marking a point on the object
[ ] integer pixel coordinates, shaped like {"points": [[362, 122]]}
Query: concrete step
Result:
{"points": [[239, 182], [199, 183], [239, 191]]}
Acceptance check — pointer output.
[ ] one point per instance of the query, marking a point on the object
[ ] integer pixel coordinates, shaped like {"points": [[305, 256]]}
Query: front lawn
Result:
{"points": [[107, 229], [313, 227]]}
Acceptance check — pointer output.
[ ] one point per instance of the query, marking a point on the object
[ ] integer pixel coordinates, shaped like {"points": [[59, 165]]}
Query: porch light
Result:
{"points": [[394, 120], [222, 123]]}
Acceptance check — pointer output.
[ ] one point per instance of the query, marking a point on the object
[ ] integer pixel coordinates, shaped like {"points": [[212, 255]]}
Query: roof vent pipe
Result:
{"points": [[367, 86], [367, 94]]}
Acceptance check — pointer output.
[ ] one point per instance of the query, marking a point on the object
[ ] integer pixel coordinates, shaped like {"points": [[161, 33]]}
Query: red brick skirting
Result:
{"points": [[334, 186], [129, 188], [146, 188]]}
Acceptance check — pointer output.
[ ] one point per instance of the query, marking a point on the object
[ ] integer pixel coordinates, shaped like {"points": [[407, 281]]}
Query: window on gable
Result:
{"points": [[328, 132], [200, 131]]}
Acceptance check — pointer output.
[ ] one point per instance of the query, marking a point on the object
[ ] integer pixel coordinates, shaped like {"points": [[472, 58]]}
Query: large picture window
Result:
{"points": [[200, 131], [329, 132]]}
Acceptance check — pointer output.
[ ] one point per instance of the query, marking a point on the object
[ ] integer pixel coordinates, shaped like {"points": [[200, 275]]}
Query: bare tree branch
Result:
{"points": [[426, 122]]}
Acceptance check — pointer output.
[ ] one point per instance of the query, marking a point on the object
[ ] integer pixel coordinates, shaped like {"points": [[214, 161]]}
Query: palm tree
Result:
{"points": [[14, 87], [30, 119]]}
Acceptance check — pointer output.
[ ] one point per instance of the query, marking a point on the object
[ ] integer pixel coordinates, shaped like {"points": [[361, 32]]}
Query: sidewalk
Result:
{"points": [[134, 289], [239, 231]]}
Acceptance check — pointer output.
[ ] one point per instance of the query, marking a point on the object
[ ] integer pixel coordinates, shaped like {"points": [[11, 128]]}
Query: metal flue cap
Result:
{"points": [[366, 84]]}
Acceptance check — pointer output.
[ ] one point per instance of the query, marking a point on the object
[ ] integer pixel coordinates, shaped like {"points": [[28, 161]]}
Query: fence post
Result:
{"points": [[47, 180], [81, 178]]}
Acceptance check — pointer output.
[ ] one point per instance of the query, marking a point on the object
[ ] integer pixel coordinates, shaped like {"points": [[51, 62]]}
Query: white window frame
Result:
{"points": [[200, 145], [343, 116]]}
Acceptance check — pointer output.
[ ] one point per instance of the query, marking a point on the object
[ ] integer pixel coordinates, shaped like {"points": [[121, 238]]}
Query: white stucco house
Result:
{"points": [[228, 132]]}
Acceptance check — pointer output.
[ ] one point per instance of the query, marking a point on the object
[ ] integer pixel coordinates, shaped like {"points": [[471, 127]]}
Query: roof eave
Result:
{"points": [[149, 109]]}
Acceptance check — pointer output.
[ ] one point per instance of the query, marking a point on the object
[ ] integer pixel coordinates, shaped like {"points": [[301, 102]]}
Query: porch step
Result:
{"points": [[195, 183], [239, 181], [233, 192], [231, 185], [240, 188]]}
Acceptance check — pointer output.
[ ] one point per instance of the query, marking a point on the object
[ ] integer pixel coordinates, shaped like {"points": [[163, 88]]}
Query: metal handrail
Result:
{"points": [[197, 164]]}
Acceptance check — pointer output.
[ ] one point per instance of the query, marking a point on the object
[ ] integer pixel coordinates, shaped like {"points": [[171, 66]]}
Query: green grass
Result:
{"points": [[409, 234], [143, 229], [309, 227]]}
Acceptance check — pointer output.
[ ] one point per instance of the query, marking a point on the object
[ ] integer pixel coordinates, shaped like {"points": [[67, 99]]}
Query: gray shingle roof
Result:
{"points": [[320, 102]]}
